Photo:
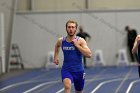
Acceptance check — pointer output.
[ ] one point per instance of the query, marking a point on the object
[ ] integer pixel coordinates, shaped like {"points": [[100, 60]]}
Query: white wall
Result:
{"points": [[36, 33], [71, 5]]}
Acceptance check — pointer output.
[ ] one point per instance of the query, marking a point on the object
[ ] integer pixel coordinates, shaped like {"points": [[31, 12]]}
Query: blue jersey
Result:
{"points": [[72, 56]]}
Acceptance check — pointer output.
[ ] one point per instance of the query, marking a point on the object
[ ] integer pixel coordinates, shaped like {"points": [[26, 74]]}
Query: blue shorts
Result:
{"points": [[78, 78]]}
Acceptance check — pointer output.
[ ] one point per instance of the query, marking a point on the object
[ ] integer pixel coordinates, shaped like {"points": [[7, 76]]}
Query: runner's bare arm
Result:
{"points": [[82, 46], [56, 51], [136, 43]]}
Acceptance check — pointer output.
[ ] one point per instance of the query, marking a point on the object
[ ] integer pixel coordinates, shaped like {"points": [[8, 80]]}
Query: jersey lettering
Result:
{"points": [[69, 48]]}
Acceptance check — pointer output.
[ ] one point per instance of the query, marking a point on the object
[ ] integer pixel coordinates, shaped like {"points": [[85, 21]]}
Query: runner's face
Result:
{"points": [[71, 29]]}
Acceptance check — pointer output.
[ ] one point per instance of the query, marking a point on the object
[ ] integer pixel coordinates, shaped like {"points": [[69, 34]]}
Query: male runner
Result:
{"points": [[73, 48]]}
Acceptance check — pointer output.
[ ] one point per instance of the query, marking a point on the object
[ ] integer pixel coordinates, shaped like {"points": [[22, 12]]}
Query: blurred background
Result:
{"points": [[29, 30]]}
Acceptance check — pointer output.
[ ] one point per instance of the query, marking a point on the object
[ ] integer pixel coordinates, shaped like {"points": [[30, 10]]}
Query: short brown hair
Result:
{"points": [[71, 21]]}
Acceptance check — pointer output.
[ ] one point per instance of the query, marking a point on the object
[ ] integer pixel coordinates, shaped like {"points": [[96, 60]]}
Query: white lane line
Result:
{"points": [[40, 85], [131, 84], [24, 82], [59, 91], [95, 78], [16, 84], [105, 82], [21, 83], [125, 78], [62, 89]]}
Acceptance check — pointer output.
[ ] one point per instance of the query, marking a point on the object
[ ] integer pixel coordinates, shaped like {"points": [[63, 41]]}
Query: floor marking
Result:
{"points": [[24, 82], [62, 89], [105, 82], [40, 85], [97, 76], [59, 91], [131, 84], [125, 78], [16, 84], [20, 83]]}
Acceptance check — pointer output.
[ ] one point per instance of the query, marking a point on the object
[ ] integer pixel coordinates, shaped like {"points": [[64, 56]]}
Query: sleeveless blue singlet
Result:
{"points": [[72, 56]]}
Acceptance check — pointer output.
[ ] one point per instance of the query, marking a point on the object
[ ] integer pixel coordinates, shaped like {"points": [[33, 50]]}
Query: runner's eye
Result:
{"points": [[71, 26]]}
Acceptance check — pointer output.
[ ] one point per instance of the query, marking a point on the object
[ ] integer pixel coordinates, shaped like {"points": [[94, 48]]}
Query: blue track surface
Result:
{"points": [[98, 80]]}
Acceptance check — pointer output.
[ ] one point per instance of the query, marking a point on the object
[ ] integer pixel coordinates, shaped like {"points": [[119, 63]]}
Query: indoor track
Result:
{"points": [[111, 79]]}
